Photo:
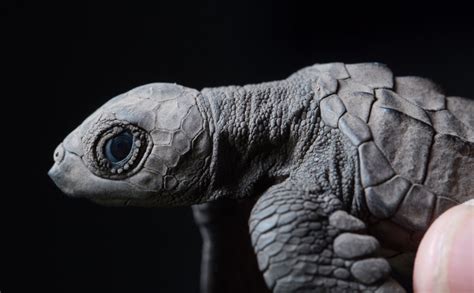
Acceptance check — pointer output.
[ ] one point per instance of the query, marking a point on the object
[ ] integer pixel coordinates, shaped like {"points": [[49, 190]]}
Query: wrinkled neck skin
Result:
{"points": [[261, 135], [253, 140], [257, 135]]}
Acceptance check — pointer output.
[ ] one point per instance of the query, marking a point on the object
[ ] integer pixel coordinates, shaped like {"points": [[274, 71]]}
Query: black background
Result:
{"points": [[62, 61]]}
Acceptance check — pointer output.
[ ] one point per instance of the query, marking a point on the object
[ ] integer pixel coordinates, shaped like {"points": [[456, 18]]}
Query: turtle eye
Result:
{"points": [[118, 149]]}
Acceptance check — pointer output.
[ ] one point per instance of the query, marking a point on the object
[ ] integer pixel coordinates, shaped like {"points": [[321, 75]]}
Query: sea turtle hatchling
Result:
{"points": [[338, 169]]}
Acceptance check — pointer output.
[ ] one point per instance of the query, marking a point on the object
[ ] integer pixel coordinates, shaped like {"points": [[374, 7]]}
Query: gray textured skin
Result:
{"points": [[339, 170]]}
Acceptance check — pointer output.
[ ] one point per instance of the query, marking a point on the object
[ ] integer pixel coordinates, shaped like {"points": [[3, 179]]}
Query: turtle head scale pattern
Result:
{"points": [[150, 146]]}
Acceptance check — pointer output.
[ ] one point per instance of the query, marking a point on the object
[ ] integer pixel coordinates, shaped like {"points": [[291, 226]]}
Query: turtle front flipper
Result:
{"points": [[306, 242]]}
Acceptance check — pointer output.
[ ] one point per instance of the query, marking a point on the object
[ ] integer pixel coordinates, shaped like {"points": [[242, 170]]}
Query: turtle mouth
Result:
{"points": [[73, 178]]}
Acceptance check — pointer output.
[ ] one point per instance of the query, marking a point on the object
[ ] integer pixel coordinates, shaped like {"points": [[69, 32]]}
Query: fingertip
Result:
{"points": [[445, 259]]}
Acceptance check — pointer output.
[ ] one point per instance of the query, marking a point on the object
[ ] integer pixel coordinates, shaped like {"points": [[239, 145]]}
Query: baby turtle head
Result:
{"points": [[148, 147]]}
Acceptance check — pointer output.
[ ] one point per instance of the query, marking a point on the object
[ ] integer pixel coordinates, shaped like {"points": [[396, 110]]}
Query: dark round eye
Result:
{"points": [[119, 147]]}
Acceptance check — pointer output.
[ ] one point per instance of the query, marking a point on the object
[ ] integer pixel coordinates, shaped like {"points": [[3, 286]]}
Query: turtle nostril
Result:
{"points": [[58, 153]]}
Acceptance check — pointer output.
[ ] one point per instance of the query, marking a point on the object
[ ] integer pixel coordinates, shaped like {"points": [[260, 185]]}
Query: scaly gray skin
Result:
{"points": [[338, 158]]}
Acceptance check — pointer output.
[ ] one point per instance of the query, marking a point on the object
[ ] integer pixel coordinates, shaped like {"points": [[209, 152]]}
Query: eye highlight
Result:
{"points": [[118, 149]]}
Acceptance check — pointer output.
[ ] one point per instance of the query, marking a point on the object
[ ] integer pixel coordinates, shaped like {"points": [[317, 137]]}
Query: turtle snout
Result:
{"points": [[63, 170], [55, 173], [58, 154]]}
